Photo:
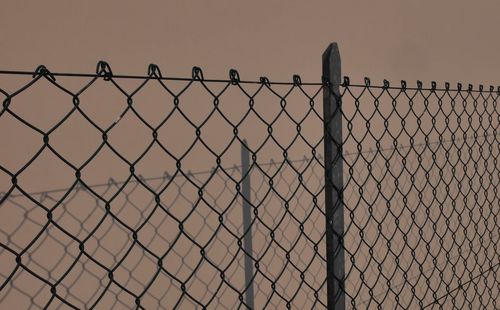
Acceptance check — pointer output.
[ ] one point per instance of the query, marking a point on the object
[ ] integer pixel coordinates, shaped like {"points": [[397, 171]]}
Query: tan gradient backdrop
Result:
{"points": [[451, 40], [427, 40]]}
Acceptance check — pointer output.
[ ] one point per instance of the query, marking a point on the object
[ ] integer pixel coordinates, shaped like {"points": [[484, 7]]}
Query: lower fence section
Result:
{"points": [[140, 253], [426, 234]]}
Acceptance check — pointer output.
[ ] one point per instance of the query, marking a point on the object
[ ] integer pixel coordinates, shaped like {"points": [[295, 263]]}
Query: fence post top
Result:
{"points": [[332, 48], [331, 64]]}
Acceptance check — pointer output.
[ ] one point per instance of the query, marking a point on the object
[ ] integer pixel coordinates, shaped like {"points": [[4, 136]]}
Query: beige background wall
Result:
{"points": [[451, 40]]}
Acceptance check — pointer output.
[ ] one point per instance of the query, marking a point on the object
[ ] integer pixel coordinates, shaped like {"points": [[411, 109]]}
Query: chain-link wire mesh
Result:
{"points": [[179, 261], [178, 241], [197, 193], [420, 196]]}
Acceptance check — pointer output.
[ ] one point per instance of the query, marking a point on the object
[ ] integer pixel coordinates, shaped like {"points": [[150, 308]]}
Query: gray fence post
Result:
{"points": [[247, 221], [334, 207]]}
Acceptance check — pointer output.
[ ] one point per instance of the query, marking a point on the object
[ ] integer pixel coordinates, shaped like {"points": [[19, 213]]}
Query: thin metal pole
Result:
{"points": [[247, 221], [334, 207]]}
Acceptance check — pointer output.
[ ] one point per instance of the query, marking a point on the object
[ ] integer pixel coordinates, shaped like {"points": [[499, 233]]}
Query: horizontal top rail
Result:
{"points": [[235, 79], [263, 80]]}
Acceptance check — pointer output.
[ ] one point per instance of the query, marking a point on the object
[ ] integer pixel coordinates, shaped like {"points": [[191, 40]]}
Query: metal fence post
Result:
{"points": [[247, 221], [334, 207]]}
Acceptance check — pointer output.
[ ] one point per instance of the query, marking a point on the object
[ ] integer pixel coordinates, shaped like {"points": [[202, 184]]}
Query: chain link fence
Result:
{"points": [[182, 261], [152, 192]]}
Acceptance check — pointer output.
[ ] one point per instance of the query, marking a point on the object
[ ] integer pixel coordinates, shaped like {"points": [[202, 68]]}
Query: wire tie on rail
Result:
{"points": [[265, 81], [367, 81], [297, 81], [43, 71], [234, 76], [403, 84], [197, 74], [347, 81], [154, 71], [104, 70]]}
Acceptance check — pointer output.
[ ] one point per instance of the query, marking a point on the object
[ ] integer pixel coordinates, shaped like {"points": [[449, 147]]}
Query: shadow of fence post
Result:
{"points": [[247, 222]]}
